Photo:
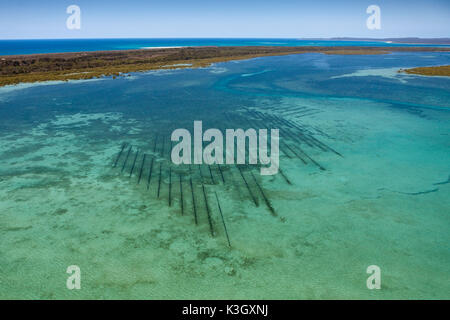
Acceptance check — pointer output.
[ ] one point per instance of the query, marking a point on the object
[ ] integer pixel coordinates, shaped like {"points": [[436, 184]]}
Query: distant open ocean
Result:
{"points": [[12, 47]]}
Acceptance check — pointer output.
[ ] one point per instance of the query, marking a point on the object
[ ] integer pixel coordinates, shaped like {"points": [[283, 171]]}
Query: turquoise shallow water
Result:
{"points": [[365, 181]]}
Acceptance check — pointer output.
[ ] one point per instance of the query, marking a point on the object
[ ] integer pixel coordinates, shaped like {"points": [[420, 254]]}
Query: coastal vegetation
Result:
{"points": [[429, 71], [87, 65]]}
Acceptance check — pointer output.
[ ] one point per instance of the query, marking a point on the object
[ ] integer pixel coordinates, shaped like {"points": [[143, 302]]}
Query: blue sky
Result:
{"points": [[30, 19]]}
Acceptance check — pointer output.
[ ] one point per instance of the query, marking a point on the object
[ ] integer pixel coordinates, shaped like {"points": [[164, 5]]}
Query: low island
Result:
{"points": [[87, 65], [443, 71]]}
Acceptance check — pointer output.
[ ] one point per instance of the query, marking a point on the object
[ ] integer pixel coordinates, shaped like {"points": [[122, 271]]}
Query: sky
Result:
{"points": [[46, 19]]}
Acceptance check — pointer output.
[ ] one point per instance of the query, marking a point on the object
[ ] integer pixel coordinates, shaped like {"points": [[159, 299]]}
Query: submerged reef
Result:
{"points": [[429, 71]]}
